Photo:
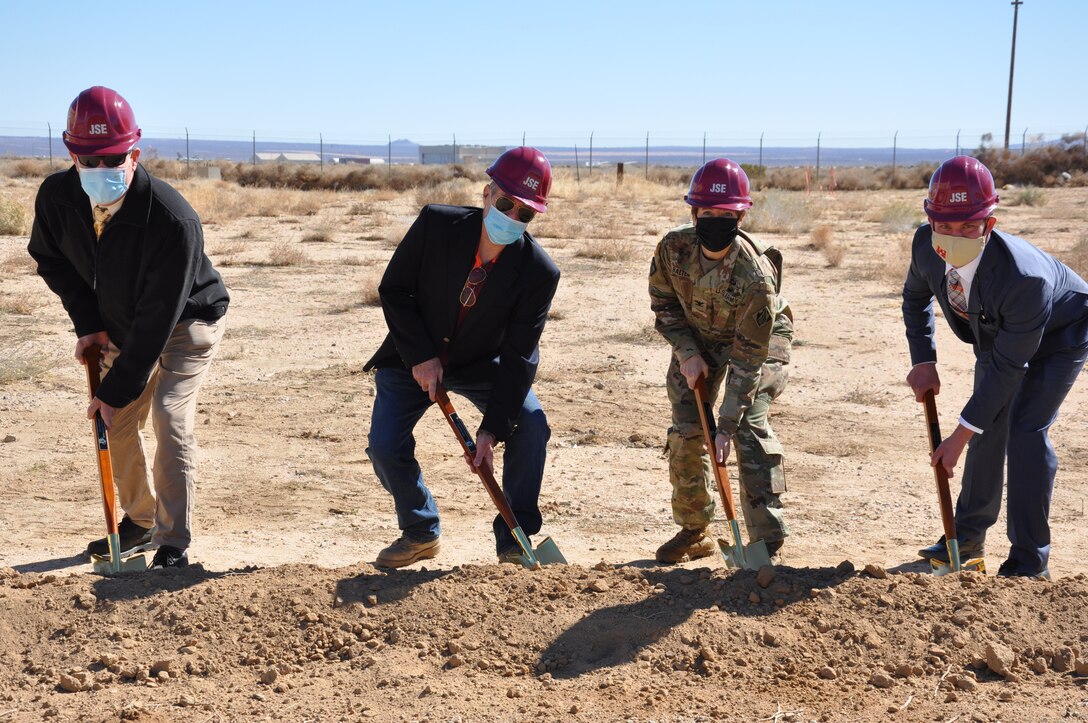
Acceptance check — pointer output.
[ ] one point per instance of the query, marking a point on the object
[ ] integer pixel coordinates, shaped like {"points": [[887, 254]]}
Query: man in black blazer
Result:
{"points": [[1026, 315], [466, 295]]}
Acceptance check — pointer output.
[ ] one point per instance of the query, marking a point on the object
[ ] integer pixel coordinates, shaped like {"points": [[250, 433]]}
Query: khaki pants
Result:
{"points": [[170, 395]]}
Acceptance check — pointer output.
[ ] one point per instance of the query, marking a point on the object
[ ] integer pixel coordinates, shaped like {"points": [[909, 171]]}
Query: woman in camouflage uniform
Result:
{"points": [[715, 293]]}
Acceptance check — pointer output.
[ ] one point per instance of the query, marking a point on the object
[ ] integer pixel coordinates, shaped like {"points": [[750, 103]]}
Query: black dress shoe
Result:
{"points": [[939, 551], [1011, 568], [132, 537], [167, 556]]}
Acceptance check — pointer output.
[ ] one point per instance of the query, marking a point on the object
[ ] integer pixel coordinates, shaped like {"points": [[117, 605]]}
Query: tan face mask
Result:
{"points": [[957, 250]]}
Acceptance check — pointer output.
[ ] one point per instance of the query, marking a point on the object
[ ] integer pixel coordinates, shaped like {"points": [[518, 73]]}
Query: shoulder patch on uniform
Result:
{"points": [[764, 316]]}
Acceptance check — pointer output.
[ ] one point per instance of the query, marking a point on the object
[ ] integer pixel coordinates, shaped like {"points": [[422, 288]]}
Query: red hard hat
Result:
{"points": [[525, 174], [961, 189], [100, 123], [720, 183]]}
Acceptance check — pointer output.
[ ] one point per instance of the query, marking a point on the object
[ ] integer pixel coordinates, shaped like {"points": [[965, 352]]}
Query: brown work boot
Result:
{"points": [[405, 551], [685, 546]]}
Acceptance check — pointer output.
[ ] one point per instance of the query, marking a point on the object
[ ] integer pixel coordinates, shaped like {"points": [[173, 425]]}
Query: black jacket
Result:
{"points": [[498, 340], [147, 272]]}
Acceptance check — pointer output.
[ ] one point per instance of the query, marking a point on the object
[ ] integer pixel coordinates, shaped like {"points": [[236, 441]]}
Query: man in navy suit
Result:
{"points": [[466, 295], [1026, 315]]}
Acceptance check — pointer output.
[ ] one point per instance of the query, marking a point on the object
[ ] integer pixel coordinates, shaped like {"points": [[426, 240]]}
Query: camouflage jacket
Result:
{"points": [[732, 314]]}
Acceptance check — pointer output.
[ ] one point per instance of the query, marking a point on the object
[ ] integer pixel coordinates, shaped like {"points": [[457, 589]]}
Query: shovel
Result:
{"points": [[546, 553], [755, 555], [947, 516], [113, 564]]}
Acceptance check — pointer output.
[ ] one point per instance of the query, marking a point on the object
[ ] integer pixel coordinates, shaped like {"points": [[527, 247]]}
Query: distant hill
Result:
{"points": [[406, 151]]}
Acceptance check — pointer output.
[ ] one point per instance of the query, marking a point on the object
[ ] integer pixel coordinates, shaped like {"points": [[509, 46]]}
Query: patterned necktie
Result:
{"points": [[101, 216], [956, 298]]}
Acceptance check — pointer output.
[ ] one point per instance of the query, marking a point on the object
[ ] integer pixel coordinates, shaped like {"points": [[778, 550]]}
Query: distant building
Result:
{"points": [[365, 160], [288, 157], [483, 155]]}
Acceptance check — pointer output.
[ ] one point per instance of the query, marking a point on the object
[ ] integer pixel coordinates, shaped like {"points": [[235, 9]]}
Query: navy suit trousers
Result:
{"points": [[1020, 435]]}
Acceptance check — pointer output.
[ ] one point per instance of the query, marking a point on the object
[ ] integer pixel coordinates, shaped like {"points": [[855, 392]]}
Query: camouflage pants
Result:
{"points": [[759, 454]]}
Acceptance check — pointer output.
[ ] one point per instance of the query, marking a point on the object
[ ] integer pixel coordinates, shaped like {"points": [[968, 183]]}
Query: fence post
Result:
{"points": [[50, 127], [454, 160], [895, 142], [591, 153], [186, 151], [957, 142], [577, 170], [817, 178], [647, 155], [254, 148], [1023, 142], [389, 156], [523, 138], [761, 153], [619, 173], [320, 153]]}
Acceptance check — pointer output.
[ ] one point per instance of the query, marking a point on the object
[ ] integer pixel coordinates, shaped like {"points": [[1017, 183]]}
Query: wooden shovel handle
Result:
{"points": [[92, 355], [721, 473], [498, 497], [933, 424]]}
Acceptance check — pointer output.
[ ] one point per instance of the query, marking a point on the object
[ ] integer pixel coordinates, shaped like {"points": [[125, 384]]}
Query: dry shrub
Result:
{"points": [[26, 361], [19, 263], [220, 201], [368, 295], [33, 167], [229, 247], [778, 212], [824, 241], [317, 237], [608, 249], [361, 208], [1077, 257], [1040, 166], [455, 192], [286, 253], [23, 303], [14, 218], [888, 268], [1030, 196], [392, 237], [346, 178], [900, 217]]}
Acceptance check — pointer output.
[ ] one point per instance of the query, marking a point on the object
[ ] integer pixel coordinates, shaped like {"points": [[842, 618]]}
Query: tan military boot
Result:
{"points": [[405, 551], [686, 545]]}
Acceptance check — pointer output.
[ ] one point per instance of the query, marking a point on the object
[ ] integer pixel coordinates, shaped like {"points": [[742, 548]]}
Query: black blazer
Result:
{"points": [[1024, 306], [498, 340]]}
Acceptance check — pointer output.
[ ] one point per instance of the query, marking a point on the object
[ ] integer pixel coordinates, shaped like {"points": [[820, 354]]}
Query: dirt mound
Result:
{"points": [[567, 642]]}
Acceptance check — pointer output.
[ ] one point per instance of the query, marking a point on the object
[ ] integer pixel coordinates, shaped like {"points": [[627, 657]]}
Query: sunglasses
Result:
{"points": [[477, 276], [504, 204], [112, 161]]}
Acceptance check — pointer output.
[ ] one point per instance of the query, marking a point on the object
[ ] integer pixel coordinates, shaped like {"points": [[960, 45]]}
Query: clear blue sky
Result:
{"points": [[855, 70]]}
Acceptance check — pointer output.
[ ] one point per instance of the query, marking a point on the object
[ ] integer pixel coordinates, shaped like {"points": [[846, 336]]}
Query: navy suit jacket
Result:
{"points": [[1025, 305], [498, 340]]}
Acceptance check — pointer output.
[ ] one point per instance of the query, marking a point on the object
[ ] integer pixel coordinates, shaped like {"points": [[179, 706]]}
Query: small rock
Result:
{"points": [[1081, 667], [574, 709], [9, 438], [827, 673], [966, 684], [876, 571], [753, 597], [844, 568], [69, 684], [999, 659], [1038, 666], [455, 661], [513, 692], [371, 600], [951, 697], [269, 676], [186, 701], [454, 647], [765, 576], [1005, 696], [85, 601], [1064, 660], [881, 680], [599, 586], [708, 653], [162, 666]]}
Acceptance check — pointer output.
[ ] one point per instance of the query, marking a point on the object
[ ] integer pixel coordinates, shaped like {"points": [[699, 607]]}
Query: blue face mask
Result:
{"points": [[103, 185], [502, 229]]}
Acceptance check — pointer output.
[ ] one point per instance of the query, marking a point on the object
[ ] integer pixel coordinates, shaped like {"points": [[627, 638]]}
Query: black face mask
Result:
{"points": [[716, 233]]}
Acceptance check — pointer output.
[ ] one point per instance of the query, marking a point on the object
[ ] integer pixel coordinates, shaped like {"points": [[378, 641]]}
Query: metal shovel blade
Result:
{"points": [[114, 563], [752, 556], [547, 552], [939, 568]]}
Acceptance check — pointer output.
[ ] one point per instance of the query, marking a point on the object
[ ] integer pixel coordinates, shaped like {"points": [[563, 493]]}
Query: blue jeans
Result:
{"points": [[400, 404]]}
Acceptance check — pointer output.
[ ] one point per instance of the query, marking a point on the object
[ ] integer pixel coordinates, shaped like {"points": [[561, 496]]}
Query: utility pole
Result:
{"points": [[958, 142], [895, 142], [1012, 64]]}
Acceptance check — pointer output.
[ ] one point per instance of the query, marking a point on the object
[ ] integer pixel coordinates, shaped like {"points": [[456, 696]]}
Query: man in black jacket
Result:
{"points": [[466, 295], [125, 254]]}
